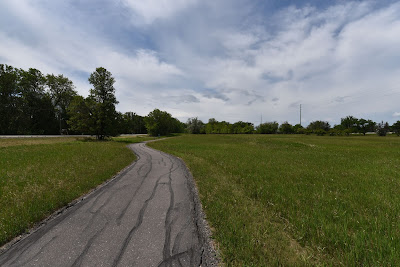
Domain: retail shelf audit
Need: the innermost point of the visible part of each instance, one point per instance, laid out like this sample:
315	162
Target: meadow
297	199
41	175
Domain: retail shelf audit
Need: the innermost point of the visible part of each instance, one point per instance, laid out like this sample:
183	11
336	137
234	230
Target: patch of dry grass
6	142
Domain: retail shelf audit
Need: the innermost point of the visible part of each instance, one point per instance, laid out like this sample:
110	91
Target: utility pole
300	114
59	118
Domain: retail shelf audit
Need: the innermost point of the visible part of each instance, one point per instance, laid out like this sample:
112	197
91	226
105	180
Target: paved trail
145	217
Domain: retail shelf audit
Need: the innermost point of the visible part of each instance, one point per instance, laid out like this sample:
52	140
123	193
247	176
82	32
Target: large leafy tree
298	129
221	127
38	113
160	123
349	123
103	94
195	126
177	126
242	127
82	117
96	114
382	128
319	125
62	92
286	128
31	103
364	126
132	123
396	127
9	99
210	127
268	128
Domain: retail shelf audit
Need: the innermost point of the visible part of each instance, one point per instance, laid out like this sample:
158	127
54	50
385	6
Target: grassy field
40	175
298	200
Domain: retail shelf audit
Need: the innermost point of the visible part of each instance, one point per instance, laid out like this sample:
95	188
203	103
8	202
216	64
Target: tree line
348	125
32	103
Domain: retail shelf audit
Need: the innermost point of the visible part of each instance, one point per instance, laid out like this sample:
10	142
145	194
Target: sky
232	60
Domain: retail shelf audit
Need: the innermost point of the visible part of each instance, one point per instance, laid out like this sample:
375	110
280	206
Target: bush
268	128
286	128
320	132
382	129
300	131
195	126
315	125
396	128
307	131
333	132
162	123
347	132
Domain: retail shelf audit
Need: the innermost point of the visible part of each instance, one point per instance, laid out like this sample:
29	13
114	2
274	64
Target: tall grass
38	176
298	200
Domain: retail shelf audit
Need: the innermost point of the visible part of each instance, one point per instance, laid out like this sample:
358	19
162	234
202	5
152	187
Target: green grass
6	142
298	200
133	139
41	175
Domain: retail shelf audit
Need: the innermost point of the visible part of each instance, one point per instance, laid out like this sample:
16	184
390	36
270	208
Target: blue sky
228	59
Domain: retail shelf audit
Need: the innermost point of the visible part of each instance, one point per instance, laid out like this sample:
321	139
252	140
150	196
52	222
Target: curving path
146	216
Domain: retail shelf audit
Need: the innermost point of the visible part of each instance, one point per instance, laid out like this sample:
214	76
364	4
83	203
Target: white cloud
151	10
349	51
223	59
75	50
144	67
237	41
396	114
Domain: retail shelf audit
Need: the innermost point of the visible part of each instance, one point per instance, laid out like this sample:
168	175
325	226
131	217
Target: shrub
268	128
307	131
320	132
382	129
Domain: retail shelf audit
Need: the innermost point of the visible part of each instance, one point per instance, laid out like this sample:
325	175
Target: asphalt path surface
146	216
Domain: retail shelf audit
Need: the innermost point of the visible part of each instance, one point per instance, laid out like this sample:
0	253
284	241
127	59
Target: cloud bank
229	60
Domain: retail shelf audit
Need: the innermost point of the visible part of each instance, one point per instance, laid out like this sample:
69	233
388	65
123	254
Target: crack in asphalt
168	222
168	261
79	259
138	223
38	253
97	213
149	160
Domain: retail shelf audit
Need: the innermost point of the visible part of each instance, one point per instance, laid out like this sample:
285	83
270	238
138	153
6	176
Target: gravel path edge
210	255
